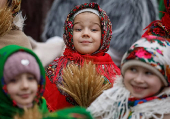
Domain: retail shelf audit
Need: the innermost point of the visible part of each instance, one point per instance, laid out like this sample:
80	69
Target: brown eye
78	30
94	30
133	69
148	73
31	77
13	81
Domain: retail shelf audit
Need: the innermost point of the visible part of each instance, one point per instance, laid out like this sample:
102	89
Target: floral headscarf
151	52
106	27
160	27
98	57
104	64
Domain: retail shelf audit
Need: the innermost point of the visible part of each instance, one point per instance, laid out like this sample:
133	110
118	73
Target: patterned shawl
160	27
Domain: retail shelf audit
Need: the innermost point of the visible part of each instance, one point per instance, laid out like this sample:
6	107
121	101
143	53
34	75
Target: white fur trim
87	10
18	21
115	55
48	51
115	100
107	105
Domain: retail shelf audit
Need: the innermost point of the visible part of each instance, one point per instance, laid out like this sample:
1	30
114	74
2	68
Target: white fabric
18	21
116	56
106	106
48	51
87	10
109	104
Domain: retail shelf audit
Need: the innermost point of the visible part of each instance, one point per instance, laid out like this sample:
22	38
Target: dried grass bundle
84	84
5	20
33	113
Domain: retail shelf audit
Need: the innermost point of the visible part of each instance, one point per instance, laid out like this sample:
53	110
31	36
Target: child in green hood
22	81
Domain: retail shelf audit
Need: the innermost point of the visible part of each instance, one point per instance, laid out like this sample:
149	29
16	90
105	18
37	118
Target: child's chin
25	105
138	96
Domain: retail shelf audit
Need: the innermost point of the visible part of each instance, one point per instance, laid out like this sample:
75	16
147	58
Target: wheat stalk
5	20
32	113
83	83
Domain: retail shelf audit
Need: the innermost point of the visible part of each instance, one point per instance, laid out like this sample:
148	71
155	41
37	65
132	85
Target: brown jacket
15	37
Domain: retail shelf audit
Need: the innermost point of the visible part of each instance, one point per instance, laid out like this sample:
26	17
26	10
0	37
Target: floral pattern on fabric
150	50
157	29
134	102
160	27
104	64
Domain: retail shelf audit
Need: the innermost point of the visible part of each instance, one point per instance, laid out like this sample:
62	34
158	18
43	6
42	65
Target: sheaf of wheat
5	20
32	113
83	84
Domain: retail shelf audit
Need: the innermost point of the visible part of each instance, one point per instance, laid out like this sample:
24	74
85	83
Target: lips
85	42
24	95
138	88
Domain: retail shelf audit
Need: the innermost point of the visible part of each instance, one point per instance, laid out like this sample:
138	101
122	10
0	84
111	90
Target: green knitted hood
7	107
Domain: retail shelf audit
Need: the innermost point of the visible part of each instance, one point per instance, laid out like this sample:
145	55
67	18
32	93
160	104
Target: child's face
87	33
141	82
23	89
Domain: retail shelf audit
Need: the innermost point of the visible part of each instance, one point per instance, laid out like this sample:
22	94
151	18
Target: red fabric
166	21
100	59
105	65
167	5
55	100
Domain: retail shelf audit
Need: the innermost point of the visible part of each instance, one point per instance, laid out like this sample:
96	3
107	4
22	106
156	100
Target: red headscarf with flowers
160	27
103	61
99	57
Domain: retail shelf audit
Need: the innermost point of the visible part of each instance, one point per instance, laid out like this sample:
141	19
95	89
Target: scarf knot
72	55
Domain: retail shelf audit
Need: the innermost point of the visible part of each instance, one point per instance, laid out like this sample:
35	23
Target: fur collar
18	21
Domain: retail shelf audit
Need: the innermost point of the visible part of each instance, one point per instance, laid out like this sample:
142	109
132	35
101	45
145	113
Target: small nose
24	84
85	33
139	78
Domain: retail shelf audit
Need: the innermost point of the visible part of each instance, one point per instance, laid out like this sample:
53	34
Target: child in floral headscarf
143	92
87	35
22	81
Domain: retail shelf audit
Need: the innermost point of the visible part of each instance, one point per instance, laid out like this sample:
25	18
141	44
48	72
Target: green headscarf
70	113
7	108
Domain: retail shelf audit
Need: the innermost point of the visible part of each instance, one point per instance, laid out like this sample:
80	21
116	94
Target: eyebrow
92	22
